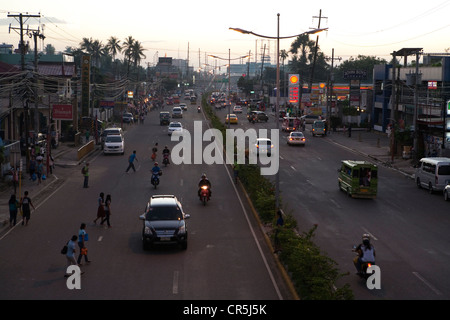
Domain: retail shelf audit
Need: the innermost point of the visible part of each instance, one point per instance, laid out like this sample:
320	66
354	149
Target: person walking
85	172
82	238
70	255
39	171
13	208
131	160
100	208
107	211
26	205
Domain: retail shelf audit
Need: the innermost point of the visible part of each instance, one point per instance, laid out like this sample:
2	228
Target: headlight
148	230
182	229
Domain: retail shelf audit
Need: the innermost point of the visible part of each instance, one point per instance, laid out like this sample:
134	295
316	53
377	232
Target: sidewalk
375	145
65	156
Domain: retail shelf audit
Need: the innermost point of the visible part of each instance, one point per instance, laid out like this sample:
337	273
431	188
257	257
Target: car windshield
296	134
175	125
113	139
264	143
163	213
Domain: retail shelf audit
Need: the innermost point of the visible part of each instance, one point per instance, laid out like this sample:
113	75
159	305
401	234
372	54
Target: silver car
296	138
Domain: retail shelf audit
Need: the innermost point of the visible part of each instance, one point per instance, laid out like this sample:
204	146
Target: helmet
156	163
203	175
366	239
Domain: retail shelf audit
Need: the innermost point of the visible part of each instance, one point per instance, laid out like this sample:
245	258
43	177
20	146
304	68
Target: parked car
296	138
260	116
177	112
109	131
175	126
128	117
231	118
164	222
114	144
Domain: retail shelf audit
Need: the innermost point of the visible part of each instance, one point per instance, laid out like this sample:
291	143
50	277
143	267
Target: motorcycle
204	194
364	265
155	179
198	109
166	159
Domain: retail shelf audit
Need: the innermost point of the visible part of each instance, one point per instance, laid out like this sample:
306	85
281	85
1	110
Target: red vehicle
204	194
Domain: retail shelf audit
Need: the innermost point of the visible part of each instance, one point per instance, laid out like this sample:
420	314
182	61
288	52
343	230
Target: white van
433	173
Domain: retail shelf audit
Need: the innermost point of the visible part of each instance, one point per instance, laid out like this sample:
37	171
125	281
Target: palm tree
128	51
86	45
97	52
138	54
113	47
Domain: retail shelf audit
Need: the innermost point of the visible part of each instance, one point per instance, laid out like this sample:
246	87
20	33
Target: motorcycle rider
366	253
166	153
204	182
156	171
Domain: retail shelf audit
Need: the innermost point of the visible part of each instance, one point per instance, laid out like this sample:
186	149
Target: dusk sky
169	28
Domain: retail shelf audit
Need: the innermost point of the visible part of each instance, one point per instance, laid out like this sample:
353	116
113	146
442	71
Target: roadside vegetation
313	274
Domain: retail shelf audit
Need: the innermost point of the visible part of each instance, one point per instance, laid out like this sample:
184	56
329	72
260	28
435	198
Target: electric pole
315	50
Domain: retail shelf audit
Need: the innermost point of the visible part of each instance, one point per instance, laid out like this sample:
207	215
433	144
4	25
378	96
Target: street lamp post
314	31
229	77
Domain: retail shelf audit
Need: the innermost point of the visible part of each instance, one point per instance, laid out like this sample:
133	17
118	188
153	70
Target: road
227	257
409	226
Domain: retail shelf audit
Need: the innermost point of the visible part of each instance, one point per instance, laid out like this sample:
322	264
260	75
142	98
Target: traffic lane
224	230
379	216
180	182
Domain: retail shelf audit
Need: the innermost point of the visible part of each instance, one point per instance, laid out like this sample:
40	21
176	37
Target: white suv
114	144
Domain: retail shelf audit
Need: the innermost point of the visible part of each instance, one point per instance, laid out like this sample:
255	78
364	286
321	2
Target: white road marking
429	285
175	282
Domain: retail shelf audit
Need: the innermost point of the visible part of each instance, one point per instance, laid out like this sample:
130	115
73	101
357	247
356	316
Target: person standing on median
131	162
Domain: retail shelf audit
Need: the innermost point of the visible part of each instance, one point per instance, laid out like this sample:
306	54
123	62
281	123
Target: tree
362	62
49	49
302	50
113	47
128	51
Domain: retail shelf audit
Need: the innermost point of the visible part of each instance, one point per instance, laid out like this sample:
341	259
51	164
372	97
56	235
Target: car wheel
446	195
418	183
184	245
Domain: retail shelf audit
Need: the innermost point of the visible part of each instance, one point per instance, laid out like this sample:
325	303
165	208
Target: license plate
364	190
164	239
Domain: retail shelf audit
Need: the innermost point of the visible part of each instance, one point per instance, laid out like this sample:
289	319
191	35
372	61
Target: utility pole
20	18
330	88
315	50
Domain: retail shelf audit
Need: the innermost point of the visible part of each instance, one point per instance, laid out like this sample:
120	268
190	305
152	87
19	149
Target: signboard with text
62	112
294	89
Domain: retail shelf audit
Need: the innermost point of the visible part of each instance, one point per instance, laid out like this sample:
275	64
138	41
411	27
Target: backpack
83	170
64	249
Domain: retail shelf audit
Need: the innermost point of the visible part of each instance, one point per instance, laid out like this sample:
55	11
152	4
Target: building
416	100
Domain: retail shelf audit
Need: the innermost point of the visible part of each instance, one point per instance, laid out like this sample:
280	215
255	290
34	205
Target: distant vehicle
231	118
290	124
433	173
177	112
263	146
164	118
296	138
237	109
127	117
164	222
114	144
260	116
359	179
310	118
318	128
183	106
174	126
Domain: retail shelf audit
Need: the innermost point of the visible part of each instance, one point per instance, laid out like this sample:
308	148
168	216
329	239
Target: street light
314	31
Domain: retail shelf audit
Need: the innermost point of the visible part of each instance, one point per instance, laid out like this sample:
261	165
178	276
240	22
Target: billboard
62	112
